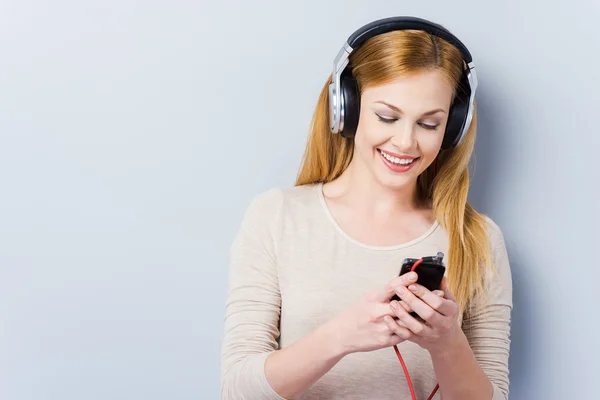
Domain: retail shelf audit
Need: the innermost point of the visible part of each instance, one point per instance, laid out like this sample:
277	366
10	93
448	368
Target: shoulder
276	203
268	200
495	236
501	271
282	199
267	215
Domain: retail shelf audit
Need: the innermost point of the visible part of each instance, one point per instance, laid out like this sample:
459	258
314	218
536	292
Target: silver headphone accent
336	100
473	83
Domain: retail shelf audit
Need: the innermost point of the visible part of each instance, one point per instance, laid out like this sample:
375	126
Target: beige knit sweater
292	268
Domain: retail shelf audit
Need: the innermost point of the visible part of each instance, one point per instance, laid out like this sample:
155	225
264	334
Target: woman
314	268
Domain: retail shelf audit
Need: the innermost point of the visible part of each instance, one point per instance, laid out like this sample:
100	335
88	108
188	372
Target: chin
397	182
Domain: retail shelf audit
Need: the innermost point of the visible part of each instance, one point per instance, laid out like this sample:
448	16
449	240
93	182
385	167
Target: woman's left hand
439	327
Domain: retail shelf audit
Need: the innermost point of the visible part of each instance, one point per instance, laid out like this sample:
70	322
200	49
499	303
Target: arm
482	352
487	327
472	362
252	367
292	370
478	354
361	327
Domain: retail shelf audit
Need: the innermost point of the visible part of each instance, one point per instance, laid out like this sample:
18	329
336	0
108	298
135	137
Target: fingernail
412	276
413	288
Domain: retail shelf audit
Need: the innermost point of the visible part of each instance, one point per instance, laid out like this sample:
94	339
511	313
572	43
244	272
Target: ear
457	115
351	97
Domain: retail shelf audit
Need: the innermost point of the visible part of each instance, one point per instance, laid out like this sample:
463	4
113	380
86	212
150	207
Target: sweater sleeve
487	325
252	310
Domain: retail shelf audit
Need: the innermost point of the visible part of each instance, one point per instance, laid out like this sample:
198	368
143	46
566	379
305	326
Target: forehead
427	89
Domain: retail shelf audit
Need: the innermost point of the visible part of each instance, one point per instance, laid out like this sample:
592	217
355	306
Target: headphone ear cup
457	115
351	105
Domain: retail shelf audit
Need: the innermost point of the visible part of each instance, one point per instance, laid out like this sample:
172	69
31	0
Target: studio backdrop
133	135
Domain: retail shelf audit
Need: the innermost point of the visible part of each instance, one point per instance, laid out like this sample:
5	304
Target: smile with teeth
396	160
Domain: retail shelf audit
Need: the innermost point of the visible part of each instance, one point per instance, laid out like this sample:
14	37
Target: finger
439	293
447	293
406	306
402	303
400	323
389	290
426	312
395	318
439	304
396	329
409	321
383	309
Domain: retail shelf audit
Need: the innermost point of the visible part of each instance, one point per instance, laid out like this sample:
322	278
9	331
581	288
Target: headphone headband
338	108
404	23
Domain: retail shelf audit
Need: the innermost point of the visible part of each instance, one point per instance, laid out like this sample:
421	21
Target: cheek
367	137
430	143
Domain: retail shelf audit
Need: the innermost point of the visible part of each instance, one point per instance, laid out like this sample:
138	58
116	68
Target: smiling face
401	127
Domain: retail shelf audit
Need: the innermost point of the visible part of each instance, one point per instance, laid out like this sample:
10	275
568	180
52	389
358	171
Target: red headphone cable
410	385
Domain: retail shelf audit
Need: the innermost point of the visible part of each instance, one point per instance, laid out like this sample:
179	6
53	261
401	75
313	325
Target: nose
405	139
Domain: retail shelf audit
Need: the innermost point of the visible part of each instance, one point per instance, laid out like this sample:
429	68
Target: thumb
389	289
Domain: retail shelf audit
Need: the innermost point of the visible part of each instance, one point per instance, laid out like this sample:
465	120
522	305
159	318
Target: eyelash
390	121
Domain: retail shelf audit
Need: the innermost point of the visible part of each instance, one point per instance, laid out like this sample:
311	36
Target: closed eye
429	127
392	120
386	120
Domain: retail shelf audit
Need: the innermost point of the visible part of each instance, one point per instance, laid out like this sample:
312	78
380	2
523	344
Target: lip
398	168
400	156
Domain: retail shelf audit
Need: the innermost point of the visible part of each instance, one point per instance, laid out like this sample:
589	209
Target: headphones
344	96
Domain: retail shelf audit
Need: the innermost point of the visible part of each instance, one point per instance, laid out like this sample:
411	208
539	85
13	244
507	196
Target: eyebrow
393	107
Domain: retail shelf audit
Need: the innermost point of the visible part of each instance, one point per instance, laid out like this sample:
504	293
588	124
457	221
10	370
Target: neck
361	191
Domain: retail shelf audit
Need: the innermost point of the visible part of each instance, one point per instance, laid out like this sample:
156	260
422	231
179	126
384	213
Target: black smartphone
430	271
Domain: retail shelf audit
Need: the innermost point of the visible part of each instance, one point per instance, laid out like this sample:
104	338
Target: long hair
381	60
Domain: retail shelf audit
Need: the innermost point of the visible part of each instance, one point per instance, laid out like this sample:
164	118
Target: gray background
125	128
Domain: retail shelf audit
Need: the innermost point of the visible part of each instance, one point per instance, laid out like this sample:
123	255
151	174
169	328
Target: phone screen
430	274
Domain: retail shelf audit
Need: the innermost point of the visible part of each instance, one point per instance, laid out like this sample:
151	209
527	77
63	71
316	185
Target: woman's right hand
361	327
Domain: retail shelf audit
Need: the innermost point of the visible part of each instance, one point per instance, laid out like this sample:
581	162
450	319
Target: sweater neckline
332	220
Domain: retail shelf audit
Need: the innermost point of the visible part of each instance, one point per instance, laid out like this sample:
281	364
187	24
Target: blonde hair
378	61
